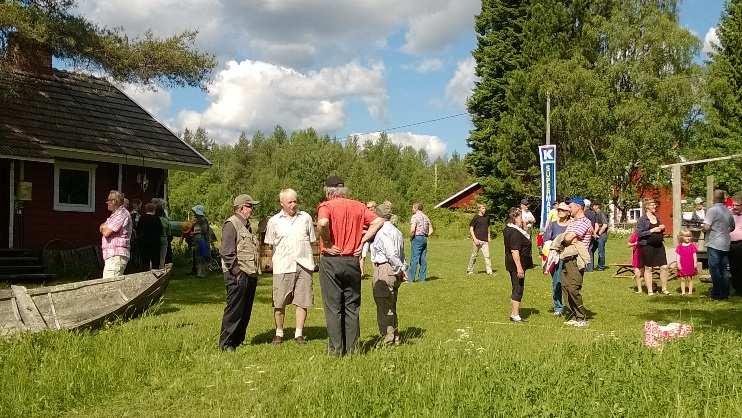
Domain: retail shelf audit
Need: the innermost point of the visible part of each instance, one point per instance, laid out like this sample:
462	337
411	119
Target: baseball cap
698	200
244	199
334	181
384	210
577	200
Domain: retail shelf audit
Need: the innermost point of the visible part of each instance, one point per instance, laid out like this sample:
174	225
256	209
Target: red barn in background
463	198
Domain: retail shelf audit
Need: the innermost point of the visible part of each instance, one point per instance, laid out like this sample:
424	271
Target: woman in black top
651	246
149	230
518	259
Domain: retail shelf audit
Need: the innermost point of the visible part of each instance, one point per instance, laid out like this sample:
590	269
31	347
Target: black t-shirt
481	227
149	230
515	240
601	219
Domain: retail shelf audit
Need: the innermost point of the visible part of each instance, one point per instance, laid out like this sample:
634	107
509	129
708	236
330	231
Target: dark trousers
150	254
718	262
240	297
572	287
340	280
735	265
599	246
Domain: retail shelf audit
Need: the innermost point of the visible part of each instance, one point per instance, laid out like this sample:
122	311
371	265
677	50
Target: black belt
570	258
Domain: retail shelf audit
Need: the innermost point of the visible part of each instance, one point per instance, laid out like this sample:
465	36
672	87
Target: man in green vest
239	254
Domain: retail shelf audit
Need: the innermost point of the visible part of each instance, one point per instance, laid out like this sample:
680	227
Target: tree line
627	95
262	165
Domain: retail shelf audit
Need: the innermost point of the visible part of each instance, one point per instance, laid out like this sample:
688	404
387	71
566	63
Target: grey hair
286	193
117	196
331	192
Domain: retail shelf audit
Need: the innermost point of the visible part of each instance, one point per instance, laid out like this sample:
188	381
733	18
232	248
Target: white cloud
460	86
433	146
710	40
156	101
296	33
425	66
254	95
435	29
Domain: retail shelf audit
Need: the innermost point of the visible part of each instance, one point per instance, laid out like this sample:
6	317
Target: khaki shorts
114	266
385	283
293	288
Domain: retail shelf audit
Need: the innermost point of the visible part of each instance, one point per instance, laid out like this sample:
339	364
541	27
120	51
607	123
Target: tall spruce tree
723	109
621	78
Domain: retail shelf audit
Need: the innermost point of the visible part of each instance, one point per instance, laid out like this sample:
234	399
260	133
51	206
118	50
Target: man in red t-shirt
341	222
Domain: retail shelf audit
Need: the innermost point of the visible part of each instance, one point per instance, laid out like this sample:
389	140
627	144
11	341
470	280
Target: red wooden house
66	140
463	198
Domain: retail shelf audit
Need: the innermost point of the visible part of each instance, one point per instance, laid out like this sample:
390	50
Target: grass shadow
526	312
407	336
310	334
727	317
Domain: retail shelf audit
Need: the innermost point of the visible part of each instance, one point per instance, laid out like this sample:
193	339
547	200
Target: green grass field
460	357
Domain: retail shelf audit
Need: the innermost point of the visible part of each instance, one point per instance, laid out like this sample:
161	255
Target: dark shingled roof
82	112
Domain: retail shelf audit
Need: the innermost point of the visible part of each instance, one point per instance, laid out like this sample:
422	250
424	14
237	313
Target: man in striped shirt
579	232
420	230
116	236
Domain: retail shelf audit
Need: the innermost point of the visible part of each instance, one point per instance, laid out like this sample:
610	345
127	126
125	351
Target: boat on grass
86	304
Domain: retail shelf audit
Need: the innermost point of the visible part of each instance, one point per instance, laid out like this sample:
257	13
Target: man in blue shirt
718	225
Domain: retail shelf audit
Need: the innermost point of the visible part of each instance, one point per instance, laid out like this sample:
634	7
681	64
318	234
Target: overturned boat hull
86	304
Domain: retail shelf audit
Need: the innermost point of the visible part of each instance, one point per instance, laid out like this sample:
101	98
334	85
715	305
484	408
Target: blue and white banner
547	156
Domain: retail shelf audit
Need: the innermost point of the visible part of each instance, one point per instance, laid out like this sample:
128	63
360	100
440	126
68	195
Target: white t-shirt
291	238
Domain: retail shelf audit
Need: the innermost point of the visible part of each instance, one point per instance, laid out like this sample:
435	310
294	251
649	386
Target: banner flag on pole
547	156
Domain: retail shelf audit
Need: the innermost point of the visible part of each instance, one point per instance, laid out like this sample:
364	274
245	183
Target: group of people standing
344	226
723	239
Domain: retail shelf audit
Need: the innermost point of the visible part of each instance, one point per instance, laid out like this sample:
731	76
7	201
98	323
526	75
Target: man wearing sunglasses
239	254
116	236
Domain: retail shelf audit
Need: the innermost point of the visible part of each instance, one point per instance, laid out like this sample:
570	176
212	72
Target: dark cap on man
524	202
577	200
244	199
334	181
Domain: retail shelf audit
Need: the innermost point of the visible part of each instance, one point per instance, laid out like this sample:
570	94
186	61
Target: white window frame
66	207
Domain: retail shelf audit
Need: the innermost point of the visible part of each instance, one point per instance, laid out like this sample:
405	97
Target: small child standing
687	259
636	262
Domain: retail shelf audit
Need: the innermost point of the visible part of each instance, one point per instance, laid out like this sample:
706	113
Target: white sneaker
571	322
581	324
469	272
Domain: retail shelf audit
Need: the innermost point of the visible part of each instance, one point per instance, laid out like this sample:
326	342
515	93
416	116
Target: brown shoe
277	340
300	340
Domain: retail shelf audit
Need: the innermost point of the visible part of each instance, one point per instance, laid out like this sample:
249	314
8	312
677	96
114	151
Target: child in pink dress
687	260
635	261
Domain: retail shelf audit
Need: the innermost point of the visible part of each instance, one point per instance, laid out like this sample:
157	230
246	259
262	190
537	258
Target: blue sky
341	67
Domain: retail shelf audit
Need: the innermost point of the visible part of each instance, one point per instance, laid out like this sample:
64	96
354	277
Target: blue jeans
556	287
599	246
718	264
419	256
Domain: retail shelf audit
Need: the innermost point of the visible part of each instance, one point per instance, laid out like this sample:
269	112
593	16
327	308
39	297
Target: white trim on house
40	160
457	194
108	157
67	207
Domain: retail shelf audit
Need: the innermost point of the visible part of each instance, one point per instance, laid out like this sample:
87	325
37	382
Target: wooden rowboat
86	304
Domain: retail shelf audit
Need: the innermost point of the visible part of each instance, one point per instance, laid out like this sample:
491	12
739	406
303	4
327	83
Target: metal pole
676	209
548	118
11	204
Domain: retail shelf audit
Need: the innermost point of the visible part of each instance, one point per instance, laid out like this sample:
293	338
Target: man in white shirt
387	254
291	233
